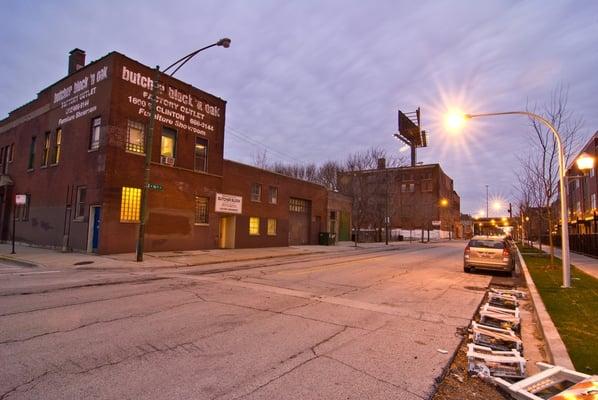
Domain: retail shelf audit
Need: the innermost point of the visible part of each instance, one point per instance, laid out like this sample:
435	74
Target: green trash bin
324	239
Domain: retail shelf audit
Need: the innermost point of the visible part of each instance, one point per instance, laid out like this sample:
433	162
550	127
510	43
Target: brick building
76	154
582	193
414	198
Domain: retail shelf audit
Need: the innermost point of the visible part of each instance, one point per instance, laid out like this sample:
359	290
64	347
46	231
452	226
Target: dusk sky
310	81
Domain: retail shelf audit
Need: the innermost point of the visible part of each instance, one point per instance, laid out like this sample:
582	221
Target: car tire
467	269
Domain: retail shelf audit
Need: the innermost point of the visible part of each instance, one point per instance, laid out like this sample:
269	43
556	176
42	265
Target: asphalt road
365	325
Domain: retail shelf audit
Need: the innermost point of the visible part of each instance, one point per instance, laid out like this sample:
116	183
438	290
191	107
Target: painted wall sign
228	203
77	99
20	199
173	107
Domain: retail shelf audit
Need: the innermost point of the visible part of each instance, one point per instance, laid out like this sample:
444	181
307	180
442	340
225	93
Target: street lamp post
562	190
143	209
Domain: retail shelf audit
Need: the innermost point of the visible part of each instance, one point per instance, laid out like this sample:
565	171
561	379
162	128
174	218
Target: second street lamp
143	209
455	121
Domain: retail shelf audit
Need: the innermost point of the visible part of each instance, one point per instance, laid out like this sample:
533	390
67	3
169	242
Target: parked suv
489	252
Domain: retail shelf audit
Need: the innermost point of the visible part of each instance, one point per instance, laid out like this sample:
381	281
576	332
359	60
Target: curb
555	348
19	261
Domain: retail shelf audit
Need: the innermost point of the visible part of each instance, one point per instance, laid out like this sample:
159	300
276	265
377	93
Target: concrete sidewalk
587	264
48	258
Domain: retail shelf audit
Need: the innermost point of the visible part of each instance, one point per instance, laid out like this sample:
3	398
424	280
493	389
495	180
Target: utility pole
486	201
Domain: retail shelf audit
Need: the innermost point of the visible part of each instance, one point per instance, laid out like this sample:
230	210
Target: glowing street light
454	121
444	202
585	162
496	205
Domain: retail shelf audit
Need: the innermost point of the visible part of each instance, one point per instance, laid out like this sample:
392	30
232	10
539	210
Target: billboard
409	129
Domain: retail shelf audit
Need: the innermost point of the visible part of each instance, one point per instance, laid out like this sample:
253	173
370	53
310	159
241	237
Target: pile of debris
495	353
496	349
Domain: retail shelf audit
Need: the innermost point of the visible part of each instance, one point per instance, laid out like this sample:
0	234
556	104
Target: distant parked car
489	252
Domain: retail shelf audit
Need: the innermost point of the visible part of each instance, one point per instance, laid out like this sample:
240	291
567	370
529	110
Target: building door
299	220
226	238
344	229
93	235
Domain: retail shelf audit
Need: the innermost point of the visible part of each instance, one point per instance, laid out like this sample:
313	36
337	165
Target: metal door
299	221
96	228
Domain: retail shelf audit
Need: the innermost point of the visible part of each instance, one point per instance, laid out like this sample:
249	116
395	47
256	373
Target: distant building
583	192
76	154
420	198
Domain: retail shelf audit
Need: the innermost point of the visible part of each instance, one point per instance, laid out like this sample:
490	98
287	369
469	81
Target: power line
234	132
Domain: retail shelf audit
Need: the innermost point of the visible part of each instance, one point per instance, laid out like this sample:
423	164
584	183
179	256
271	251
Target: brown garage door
299	218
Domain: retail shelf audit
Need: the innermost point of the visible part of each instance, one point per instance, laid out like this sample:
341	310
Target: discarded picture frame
520	294
484	361
495	338
499	317
502	300
552	383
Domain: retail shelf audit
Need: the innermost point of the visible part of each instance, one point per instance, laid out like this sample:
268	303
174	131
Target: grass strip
574	311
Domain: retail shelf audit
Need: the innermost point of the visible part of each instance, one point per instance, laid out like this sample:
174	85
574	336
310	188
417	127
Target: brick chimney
382	163
76	60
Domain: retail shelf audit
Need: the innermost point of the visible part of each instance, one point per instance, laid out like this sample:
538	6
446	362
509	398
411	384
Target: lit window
271	226
129	204
56	149
201	210
31	153
168	143
46	151
80	206
254	226
273	195
94	137
201	154
256	192
135	137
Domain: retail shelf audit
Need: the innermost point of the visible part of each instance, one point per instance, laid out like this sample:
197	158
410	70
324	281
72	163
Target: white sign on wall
436	223
20	199
227	203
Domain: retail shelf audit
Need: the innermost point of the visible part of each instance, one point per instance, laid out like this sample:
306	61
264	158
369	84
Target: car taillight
466	253
505	252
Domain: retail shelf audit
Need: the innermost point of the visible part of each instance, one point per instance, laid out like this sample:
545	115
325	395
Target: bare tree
260	159
542	165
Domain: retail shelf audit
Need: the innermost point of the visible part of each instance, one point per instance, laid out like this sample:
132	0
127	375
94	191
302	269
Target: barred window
254	226
22	211
201	210
271	227
298	205
129	204
135	137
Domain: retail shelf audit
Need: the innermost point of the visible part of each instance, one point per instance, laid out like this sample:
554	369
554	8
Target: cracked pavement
335	326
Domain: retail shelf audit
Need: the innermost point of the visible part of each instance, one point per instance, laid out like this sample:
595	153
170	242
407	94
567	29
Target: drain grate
83	262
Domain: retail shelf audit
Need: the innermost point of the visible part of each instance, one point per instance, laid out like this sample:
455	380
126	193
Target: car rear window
488	244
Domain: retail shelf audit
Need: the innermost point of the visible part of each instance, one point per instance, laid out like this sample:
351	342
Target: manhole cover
475	288
83	262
